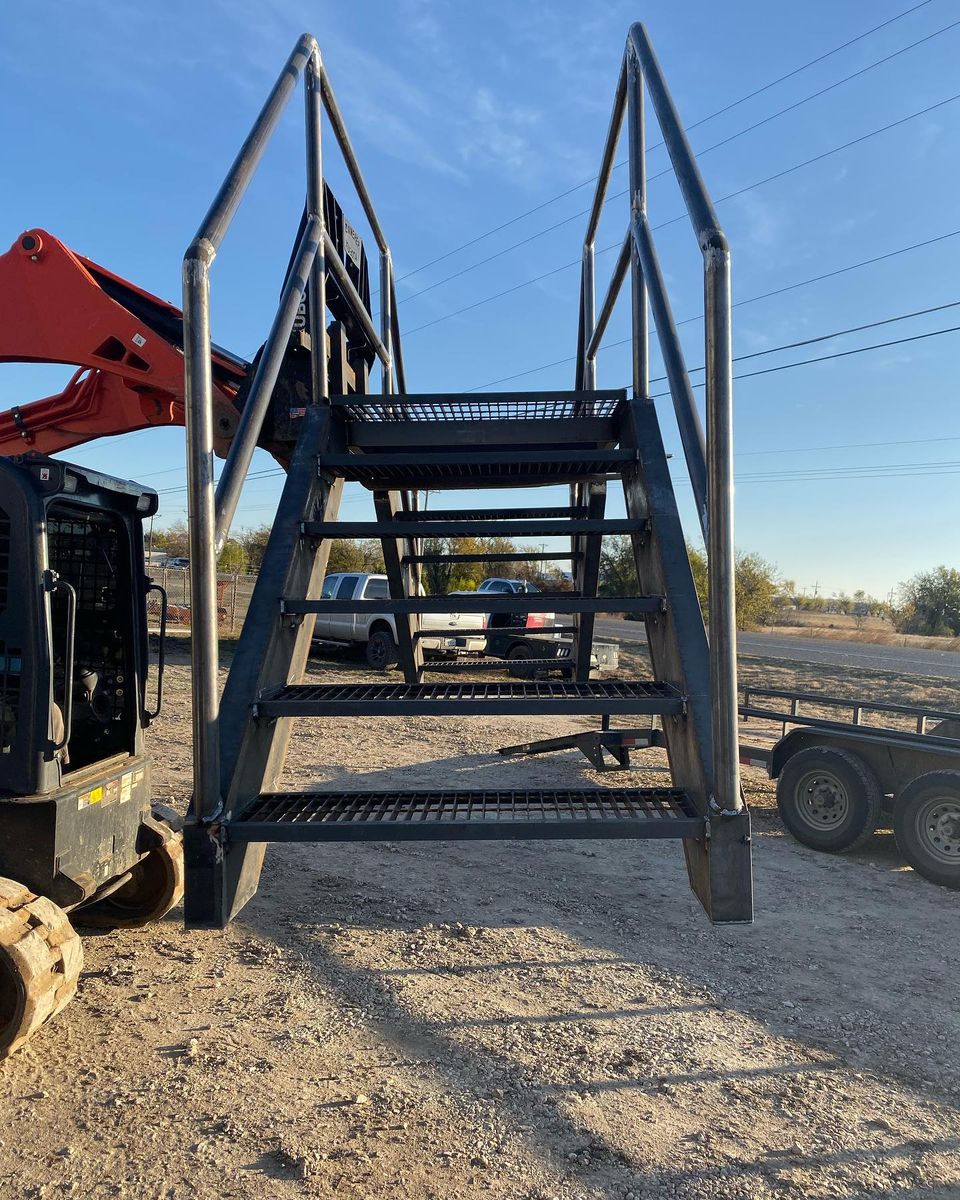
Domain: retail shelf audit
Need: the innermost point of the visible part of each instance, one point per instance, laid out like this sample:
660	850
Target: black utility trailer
839	778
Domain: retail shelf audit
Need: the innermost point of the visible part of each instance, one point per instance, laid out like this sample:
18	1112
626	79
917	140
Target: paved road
905	660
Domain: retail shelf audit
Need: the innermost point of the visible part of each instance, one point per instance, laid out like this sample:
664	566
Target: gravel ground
526	1021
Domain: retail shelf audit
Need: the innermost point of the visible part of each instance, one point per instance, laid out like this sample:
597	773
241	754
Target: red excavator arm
56	306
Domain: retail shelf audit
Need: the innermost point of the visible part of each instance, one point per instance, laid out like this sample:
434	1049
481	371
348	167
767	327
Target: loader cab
73	636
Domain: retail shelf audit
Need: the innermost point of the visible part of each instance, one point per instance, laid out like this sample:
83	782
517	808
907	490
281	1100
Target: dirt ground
526	1021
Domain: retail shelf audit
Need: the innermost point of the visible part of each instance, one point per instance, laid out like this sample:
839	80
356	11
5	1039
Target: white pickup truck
378	631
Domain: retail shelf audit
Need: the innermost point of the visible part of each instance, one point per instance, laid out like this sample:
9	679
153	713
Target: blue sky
121	121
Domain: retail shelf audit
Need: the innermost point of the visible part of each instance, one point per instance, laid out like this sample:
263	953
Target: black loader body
75	812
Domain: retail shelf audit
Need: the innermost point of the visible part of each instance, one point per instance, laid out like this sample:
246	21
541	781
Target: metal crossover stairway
396	445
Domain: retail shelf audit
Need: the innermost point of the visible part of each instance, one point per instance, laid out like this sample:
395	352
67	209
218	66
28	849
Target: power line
828	337
866	262
681	216
847	446
696	124
804	362
274	471
669	170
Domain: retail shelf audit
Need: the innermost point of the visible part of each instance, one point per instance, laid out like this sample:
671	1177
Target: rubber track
40	947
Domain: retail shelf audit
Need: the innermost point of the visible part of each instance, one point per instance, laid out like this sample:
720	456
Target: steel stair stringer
718	864
272	651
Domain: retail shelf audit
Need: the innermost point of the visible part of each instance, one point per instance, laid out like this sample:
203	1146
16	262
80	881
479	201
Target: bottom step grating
430	816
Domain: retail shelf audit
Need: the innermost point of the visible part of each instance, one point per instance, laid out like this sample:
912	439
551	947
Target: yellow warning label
92	797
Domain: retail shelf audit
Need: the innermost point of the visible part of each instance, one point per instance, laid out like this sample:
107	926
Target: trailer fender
894	760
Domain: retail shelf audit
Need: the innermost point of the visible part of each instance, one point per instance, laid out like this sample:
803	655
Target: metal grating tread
471	699
560	662
434	815
456	469
491	406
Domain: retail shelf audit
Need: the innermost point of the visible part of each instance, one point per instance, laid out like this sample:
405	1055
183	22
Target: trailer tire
155	886
829	799
41	957
515	654
382	651
926	824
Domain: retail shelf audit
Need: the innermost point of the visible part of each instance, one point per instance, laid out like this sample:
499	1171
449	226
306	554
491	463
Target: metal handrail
211	510
709	459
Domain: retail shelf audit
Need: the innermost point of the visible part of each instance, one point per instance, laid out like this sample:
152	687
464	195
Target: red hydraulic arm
58	307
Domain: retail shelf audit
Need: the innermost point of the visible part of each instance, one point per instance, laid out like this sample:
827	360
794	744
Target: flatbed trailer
839	778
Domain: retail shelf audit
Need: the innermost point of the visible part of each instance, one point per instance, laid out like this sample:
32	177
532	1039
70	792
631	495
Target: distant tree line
757	582
927	604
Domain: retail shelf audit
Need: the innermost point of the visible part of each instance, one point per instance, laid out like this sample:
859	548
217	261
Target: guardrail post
198	409
637	148
317	288
721	555
588	297
386	319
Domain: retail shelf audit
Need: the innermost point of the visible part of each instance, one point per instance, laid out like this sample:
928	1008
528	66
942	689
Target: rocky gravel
532	1021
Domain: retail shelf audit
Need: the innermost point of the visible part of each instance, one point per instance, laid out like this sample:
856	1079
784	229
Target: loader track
41	957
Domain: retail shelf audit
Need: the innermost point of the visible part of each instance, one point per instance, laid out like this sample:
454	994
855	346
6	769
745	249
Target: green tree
254	542
174	540
930	603
233	558
756	584
618	570
442	577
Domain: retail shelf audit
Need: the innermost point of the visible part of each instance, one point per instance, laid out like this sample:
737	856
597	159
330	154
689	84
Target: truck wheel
926	823
154	887
382	652
520	652
41	957
829	799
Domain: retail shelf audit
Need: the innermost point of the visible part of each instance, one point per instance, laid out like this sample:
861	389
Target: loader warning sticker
94	796
111	793
138	777
126	782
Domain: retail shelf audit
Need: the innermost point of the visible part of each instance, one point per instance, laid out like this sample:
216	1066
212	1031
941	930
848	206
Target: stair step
495	514
336	816
517	556
470	699
405	527
483	602
484	407
475	468
451	666
544	631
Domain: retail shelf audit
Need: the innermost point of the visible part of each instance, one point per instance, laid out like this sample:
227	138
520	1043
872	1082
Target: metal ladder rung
462	528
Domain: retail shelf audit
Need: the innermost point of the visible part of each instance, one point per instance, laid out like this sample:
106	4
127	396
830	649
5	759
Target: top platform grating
490	406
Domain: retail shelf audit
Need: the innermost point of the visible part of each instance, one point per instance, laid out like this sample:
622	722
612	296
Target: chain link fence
233	599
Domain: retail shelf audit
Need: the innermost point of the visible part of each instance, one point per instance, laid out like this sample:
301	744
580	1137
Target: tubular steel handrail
211	509
709	459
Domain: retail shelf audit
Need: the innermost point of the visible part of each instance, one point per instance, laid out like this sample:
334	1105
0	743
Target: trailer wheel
829	799
382	652
154	887
517	653
41	957
926	823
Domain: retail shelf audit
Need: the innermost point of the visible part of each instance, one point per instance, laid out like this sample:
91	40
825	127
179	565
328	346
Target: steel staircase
397	444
